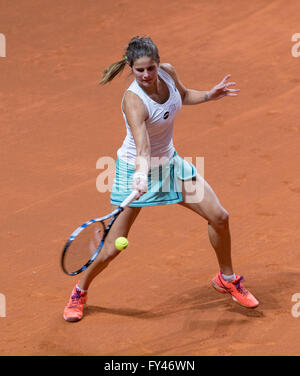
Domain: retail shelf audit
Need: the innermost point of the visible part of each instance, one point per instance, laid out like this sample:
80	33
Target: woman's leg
74	309
121	227
202	200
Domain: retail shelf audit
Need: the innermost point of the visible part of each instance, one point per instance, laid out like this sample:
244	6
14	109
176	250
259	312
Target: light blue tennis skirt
164	185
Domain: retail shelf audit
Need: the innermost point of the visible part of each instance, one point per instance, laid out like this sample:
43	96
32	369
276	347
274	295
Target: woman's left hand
222	89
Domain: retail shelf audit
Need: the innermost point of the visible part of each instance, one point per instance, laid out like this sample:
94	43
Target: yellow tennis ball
121	243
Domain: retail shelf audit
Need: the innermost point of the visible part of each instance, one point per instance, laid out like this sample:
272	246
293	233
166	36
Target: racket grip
129	199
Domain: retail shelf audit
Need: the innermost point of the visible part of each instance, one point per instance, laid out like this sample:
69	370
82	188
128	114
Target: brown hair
136	48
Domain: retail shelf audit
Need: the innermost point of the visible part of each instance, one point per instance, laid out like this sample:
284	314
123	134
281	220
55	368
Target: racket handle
129	199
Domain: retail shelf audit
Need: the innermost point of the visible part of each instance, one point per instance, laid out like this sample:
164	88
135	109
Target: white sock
78	288
229	278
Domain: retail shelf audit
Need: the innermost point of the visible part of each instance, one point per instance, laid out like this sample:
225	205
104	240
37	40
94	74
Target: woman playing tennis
148	162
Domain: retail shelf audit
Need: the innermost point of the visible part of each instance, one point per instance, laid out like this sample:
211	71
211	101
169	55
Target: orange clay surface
155	298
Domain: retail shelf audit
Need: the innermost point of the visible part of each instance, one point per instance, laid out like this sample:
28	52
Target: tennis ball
121	243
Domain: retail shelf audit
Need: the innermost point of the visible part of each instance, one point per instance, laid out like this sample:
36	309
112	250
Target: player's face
145	71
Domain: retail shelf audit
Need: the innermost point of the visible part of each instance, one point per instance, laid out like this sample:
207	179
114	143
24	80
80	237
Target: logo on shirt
172	108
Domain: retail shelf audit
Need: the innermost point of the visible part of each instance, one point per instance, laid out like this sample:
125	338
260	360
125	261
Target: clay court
56	122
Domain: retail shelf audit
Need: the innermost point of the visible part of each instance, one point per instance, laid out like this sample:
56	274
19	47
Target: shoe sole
71	319
219	289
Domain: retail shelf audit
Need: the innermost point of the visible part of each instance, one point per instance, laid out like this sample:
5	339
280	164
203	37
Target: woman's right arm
136	115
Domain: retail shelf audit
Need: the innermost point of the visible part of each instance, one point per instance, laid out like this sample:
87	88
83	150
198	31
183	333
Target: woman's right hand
140	183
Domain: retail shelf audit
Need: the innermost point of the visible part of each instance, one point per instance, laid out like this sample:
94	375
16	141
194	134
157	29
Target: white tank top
159	123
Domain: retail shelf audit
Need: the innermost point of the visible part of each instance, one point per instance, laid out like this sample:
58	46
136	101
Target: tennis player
149	107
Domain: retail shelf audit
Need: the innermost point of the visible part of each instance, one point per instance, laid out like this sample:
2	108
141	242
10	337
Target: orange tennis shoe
74	309
238	293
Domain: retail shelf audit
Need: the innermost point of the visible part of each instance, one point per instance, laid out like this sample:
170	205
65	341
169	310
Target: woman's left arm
190	96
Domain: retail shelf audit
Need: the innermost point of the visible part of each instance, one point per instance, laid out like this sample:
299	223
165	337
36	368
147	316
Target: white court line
51	197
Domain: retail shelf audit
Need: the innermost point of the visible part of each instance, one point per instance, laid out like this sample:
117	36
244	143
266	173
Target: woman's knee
108	255
220	219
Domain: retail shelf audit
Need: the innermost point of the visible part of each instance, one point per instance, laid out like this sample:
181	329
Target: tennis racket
86	242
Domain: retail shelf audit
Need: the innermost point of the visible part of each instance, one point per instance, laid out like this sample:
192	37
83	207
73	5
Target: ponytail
112	71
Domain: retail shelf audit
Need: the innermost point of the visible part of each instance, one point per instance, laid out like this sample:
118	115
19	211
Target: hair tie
125	58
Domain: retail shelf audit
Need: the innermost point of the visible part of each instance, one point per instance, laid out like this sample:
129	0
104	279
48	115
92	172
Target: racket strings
84	246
